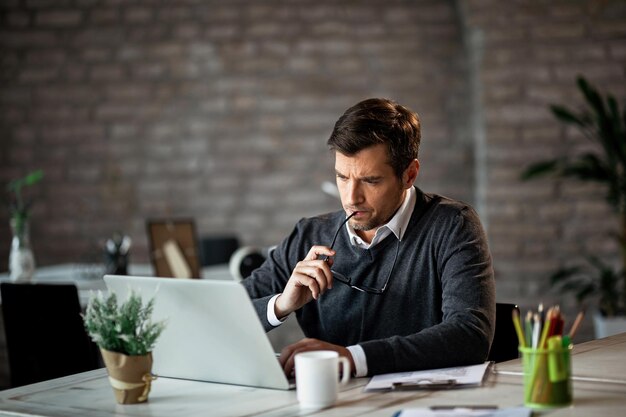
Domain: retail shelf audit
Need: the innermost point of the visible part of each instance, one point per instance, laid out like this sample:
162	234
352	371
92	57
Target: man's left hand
288	353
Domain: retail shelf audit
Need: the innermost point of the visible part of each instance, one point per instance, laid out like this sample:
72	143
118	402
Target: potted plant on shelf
21	259
126	337
603	123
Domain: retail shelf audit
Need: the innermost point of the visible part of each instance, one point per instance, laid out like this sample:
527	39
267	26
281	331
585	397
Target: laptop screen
212	333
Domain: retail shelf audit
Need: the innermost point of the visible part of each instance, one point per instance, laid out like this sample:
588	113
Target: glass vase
21	259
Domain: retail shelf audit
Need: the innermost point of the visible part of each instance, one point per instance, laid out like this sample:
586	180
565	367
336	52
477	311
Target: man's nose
354	193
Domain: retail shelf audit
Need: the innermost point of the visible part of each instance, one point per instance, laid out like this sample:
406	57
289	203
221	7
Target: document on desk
464	412
456	377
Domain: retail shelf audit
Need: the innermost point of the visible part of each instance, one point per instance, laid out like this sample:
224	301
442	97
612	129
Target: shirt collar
396	225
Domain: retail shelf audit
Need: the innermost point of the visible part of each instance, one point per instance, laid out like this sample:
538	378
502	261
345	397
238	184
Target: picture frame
173	248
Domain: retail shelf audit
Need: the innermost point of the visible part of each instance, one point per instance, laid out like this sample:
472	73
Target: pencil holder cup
547	376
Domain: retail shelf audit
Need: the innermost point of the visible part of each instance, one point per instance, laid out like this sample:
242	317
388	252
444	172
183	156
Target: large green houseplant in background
603	123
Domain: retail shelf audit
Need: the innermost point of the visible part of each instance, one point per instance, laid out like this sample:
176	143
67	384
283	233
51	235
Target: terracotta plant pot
130	376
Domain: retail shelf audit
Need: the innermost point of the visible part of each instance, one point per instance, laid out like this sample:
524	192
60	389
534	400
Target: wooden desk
89	393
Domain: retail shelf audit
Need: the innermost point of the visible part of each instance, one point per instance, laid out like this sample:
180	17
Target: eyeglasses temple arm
338	230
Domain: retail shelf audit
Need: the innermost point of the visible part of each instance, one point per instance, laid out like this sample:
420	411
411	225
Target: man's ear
410	174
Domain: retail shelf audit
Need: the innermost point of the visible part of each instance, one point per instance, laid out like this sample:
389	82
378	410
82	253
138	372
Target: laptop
212	334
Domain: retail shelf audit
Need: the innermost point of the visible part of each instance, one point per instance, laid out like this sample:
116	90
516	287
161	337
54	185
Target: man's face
368	186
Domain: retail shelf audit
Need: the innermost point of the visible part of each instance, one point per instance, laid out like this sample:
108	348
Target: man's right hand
310	278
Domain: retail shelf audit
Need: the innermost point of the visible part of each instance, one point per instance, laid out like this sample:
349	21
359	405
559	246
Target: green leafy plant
18	207
603	123
124	328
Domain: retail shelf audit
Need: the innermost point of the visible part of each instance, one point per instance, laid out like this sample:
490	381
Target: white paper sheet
462	375
465	412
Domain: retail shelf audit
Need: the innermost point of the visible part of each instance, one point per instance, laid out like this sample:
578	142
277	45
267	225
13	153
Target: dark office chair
505	343
217	249
44	331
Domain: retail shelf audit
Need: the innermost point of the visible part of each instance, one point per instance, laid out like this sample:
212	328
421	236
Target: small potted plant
604	124
126	336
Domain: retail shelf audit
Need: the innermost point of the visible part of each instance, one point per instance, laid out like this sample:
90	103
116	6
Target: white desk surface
89	394
601	361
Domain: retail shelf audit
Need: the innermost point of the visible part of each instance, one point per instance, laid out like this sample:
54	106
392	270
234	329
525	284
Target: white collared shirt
397	225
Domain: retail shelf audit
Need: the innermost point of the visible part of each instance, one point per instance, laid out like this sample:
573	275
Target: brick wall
213	110
533	52
220	110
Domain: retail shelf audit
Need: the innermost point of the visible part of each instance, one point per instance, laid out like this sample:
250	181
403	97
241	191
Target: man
406	283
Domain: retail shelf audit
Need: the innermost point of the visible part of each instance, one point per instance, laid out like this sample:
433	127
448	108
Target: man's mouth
357	213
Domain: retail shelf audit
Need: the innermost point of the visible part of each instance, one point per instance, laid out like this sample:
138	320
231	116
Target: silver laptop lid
213	332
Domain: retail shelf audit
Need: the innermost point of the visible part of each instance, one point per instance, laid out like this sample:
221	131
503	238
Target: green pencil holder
547	377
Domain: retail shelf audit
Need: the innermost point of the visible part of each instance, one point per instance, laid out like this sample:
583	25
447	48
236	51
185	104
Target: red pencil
558	322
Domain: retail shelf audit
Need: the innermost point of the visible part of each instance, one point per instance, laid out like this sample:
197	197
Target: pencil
518	328
577	321
546	329
557	318
536	330
528	328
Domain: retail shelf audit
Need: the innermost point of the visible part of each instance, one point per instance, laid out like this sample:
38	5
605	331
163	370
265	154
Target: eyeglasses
348	281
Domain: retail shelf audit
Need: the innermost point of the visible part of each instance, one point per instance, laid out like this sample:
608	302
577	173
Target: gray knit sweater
439	306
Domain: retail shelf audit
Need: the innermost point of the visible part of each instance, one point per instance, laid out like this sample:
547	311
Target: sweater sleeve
464	335
271	277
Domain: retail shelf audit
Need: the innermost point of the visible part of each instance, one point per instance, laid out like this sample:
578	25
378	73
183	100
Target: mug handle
345	370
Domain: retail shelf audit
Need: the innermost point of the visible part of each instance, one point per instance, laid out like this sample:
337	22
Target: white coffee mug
317	377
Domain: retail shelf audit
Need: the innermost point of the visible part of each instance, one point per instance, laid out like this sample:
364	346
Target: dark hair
375	121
